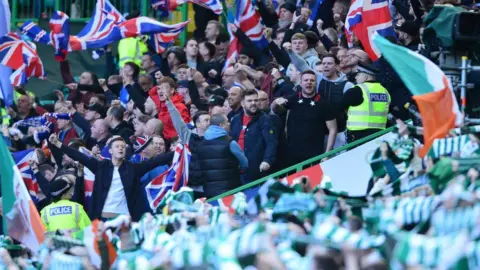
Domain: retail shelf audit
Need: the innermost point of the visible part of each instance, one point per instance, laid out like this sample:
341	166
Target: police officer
367	104
131	49
63	214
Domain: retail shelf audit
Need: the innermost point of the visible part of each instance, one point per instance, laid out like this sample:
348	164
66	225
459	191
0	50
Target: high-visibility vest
5	117
131	50
17	95
373	112
64	215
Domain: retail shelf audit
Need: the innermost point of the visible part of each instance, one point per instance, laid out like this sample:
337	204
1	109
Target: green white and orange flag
90	239
430	88
21	220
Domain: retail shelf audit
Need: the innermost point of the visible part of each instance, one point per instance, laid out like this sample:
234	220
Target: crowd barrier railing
302	166
33	10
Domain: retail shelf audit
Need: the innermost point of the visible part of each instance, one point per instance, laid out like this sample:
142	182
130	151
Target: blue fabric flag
6	92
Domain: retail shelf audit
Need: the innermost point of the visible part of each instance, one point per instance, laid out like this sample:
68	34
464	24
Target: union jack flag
244	15
106	26
161	41
60	34
21	159
21	56
173	179
364	18
166	6
88	178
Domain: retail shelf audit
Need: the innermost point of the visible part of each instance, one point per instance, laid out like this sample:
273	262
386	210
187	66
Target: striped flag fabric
60	34
90	239
106	26
430	87
21	56
161	41
88	179
21	220
35	33
367	17
243	14
21	160
167	6
173	179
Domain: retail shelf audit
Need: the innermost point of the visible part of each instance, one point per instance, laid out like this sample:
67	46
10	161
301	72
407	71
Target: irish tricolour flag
21	220
430	88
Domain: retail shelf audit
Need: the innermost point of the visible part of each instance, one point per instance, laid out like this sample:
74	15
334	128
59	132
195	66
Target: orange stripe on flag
437	115
112	254
36	222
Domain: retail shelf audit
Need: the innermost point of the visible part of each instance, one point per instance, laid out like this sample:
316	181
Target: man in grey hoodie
299	45
331	84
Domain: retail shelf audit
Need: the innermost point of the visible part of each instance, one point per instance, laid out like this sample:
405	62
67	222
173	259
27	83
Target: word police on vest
64	210
378	97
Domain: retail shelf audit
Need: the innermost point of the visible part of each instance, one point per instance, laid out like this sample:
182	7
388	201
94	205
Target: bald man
154	127
99	134
228	77
263	101
235	97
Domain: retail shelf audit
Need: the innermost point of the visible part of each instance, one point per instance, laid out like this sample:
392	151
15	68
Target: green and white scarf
338	236
415	210
448	146
448	221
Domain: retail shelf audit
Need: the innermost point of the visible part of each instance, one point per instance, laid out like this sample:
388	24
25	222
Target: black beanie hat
289	6
58	187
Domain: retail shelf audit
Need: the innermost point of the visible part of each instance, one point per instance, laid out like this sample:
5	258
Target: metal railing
81	11
302	166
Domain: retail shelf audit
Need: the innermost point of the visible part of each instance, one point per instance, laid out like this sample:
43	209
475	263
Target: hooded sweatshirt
169	131
310	56
214	132
302	65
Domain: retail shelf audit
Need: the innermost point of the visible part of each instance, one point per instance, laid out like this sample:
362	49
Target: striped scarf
415	210
448	221
239	203
249	240
432	252
337	237
290	258
448	146
60	261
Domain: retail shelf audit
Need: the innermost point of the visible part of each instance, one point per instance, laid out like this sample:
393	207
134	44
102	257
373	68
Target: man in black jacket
257	137
117	124
118	189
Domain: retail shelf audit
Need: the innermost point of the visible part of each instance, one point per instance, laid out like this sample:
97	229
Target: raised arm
183	131
90	163
162	159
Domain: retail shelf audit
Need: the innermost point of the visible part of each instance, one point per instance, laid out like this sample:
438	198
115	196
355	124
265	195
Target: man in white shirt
117	189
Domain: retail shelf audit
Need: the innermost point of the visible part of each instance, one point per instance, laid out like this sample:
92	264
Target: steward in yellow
367	104
131	50
63	214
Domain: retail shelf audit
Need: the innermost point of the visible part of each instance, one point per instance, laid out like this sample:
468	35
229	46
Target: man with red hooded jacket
166	88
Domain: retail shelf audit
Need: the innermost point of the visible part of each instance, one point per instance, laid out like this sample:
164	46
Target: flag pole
463	86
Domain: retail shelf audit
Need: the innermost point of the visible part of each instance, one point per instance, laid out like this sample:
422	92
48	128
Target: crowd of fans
242	121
